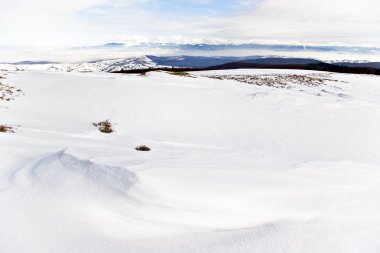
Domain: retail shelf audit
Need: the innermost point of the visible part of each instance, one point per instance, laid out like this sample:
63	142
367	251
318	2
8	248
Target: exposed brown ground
279	80
8	93
6	129
183	74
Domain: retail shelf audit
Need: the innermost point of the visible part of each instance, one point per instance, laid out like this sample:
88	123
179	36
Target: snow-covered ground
234	167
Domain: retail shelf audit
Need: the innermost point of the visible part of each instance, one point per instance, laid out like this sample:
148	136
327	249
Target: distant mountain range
304	64
195	61
218	46
219	63
256	46
375	65
34	62
150	62
207	62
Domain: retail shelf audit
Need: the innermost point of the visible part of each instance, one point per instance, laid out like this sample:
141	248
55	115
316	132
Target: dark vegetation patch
182	74
6	129
143	148
144	71
316	66
104	126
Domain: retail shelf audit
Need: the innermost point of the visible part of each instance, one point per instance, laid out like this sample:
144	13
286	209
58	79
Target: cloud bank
67	23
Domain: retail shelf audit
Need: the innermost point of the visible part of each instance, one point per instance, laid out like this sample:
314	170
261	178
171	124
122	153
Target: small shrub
179	73
6	129
143	148
104	126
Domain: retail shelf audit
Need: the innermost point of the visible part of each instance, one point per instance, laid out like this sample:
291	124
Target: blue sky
168	9
196	8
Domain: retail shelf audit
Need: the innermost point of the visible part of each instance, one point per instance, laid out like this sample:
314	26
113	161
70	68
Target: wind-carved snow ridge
56	170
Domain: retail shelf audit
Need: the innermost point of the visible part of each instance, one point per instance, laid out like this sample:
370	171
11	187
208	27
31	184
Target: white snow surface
233	167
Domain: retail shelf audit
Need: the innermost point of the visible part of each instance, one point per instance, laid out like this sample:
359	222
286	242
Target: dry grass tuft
6	129
104	126
143	148
182	74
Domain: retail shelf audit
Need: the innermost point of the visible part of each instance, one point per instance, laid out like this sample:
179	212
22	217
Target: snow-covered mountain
142	62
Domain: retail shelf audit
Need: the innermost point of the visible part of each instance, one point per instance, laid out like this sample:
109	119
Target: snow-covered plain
234	167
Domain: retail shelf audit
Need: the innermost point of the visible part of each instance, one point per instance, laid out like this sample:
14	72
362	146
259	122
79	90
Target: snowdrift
55	171
234	167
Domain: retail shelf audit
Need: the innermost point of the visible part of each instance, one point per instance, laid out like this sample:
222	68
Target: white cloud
48	22
355	22
91	22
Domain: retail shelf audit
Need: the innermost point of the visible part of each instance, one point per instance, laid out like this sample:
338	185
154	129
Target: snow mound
60	169
10	67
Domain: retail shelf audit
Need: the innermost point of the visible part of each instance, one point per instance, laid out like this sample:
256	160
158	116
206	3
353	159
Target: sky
80	23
